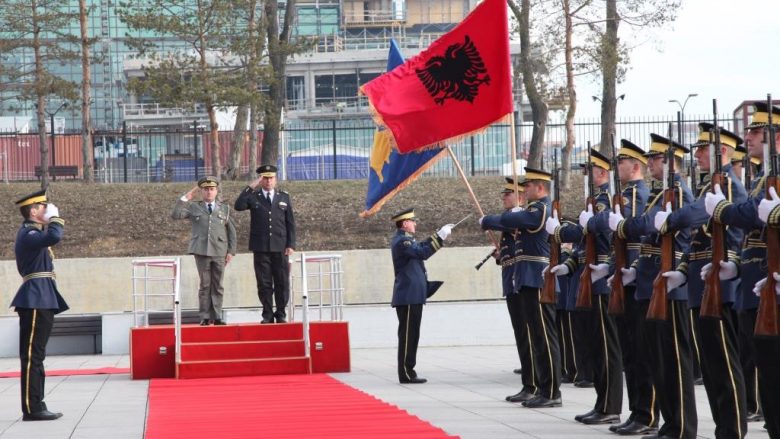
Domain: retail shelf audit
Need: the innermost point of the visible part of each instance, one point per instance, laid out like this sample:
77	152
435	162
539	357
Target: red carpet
69	372
282	406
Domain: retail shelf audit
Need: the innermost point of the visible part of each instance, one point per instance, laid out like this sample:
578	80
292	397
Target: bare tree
86	122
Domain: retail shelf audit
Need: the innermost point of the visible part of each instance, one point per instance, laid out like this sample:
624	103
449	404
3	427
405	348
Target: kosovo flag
391	171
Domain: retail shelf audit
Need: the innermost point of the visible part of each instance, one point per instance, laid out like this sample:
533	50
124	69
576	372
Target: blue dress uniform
565	330
670	350
716	337
506	259
760	355
36	302
532	252
601	338
272	230
411	290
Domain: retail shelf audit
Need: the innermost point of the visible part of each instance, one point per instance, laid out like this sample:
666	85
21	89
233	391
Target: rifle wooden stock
657	309
548	289
585	292
617	297
767	317
711	302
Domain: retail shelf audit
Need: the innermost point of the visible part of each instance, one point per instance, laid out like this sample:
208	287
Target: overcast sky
724	49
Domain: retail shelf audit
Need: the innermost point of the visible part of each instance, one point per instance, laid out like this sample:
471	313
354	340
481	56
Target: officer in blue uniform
506	258
631	170
271	239
565	330
666	344
753	267
716	336
601	335
532	253
37	300
411	288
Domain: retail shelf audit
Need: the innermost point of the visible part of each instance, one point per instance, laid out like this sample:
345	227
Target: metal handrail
175	280
334	290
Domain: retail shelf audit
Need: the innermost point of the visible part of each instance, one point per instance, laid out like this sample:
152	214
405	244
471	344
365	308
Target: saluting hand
188	196
255	183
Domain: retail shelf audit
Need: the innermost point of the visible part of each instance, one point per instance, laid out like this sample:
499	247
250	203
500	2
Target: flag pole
471	191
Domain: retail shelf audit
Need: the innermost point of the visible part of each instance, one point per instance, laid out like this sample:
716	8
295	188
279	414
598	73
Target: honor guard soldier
37	300
753	268
563	310
600	331
532	253
411	287
668	342
506	258
213	243
271	239
716	335
631	166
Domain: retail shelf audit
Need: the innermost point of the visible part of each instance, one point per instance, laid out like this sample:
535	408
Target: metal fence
308	150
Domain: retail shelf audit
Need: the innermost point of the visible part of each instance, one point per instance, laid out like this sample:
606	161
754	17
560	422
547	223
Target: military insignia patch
532	209
407	243
625	201
600	207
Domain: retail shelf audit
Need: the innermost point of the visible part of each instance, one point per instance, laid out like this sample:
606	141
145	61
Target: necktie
268	197
209	204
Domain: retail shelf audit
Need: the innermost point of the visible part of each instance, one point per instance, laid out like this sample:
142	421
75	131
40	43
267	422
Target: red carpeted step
243	367
242	332
241	350
280	407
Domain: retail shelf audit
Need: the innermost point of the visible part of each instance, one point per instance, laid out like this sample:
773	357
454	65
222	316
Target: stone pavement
464	396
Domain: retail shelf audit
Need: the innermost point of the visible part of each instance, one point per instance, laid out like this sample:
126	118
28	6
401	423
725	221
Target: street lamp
53	149
596	98
682	112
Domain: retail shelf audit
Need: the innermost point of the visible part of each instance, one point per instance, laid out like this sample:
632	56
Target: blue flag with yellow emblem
391	171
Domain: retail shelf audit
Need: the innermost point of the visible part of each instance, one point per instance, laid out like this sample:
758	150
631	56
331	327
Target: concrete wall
105	285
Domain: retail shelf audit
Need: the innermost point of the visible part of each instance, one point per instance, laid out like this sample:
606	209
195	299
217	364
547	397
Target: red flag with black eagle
458	86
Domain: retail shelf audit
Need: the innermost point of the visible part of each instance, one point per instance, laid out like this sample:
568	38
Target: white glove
760	285
598	272
560	270
552	223
712	199
585	216
517	209
661	216
51	212
445	231
480	220
615	217
629	275
674	279
728	270
766	205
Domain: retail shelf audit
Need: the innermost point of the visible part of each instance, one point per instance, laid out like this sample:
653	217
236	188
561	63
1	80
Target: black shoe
281	320
204	322
518	371
566	379
614	427
540	402
521	396
43	415
635	428
271	320
219	322
755	417
601	418
579	418
583	383
698	381
414	380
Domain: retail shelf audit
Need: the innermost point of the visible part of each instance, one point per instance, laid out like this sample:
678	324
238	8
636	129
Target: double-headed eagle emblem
456	75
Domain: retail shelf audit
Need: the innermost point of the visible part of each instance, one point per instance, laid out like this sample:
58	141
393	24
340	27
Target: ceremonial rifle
747	170
694	180
585	296
766	318
657	309
548	289
617	297
711	303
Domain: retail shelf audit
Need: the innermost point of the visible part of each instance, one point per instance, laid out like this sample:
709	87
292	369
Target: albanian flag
459	85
